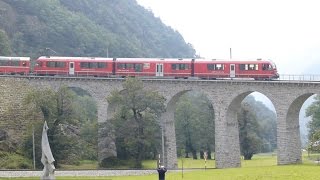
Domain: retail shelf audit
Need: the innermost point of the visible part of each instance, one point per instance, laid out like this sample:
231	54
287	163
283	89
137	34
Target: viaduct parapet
225	95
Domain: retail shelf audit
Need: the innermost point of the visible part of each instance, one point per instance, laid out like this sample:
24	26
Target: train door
159	69
71	68
232	70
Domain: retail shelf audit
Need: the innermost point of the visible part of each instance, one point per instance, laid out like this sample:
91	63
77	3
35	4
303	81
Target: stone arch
229	156
167	120
292	151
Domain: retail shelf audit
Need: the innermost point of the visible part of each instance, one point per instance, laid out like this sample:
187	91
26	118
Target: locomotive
140	67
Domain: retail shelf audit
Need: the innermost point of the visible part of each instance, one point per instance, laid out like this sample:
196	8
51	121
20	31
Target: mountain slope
111	28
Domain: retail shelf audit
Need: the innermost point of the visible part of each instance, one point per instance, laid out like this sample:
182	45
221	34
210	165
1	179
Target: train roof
154	59
190	59
177	60
234	60
6	58
73	58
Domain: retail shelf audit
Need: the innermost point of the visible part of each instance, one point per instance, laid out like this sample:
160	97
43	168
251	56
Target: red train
143	67
14	65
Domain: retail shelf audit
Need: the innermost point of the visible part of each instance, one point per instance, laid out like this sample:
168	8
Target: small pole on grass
159	161
205	155
182	167
33	149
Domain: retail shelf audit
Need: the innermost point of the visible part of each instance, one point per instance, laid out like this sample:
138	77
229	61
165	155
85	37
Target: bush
14	161
109	162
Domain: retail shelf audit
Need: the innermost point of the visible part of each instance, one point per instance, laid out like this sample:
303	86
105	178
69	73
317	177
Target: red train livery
153	67
14	65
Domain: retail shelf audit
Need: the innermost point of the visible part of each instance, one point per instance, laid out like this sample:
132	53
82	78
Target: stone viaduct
225	96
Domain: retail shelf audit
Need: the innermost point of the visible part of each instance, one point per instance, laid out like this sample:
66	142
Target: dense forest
102	28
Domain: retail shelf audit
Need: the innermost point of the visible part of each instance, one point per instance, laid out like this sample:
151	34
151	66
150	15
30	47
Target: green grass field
260	167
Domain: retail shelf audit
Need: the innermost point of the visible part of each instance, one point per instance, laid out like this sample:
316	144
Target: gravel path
4	173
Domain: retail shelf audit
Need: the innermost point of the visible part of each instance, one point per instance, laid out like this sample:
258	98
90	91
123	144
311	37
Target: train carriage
214	69
14	65
149	67
73	66
178	68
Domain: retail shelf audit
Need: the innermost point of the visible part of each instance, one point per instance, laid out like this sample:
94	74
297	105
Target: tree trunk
194	154
201	154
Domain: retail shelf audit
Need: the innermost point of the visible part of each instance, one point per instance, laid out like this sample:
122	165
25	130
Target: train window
242	67
9	63
138	67
180	66
24	64
15	63
129	66
215	67
61	64
102	65
210	66
51	64
39	64
121	66
266	67
56	64
146	65
249	67
3	63
93	65
219	66
84	65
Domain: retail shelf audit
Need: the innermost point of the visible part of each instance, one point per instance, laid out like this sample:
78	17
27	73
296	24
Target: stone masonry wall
225	97
13	117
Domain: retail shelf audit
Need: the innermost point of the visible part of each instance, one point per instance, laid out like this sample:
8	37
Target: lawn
262	167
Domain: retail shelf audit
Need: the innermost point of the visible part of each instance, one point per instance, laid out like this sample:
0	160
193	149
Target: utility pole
162	142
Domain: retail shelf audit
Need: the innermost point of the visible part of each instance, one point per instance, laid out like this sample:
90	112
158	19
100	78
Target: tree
186	127
5	48
136	120
207	126
314	125
58	110
194	122
250	142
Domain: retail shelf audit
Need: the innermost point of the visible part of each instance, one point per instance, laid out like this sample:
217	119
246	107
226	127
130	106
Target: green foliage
5	48
248	132
72	126
187	127
314	125
136	120
14	161
194	122
89	28
264	123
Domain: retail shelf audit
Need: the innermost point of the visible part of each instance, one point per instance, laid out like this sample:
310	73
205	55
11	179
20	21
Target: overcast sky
287	32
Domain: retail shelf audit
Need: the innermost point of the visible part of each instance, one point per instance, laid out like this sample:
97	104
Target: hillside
111	28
